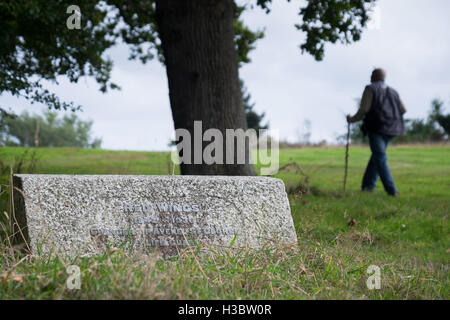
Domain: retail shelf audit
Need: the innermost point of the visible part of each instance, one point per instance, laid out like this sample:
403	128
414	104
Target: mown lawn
340	235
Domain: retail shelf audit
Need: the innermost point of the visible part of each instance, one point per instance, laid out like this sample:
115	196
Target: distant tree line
435	128
254	119
48	130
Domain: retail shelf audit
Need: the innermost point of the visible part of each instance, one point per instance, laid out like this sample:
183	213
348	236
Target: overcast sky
409	38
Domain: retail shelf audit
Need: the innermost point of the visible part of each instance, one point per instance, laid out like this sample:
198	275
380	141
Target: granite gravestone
84	214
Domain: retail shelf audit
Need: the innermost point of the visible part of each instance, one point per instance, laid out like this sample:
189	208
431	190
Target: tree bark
202	69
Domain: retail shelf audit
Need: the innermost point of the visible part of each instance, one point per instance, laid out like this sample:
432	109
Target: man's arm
364	107
402	106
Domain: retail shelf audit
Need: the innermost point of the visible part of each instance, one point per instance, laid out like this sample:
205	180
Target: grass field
340	235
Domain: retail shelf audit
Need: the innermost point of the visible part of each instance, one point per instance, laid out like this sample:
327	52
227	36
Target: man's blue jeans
377	165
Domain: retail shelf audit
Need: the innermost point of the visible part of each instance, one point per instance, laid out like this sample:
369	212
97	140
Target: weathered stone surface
82	214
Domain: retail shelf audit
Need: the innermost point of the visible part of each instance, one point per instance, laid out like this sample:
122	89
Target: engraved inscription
179	228
164	231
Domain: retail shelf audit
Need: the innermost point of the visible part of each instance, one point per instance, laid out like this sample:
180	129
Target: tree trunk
36	134
202	69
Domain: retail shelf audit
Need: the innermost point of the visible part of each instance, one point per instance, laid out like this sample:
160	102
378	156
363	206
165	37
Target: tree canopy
254	119
36	45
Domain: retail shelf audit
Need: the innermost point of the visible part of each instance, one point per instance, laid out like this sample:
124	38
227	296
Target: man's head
378	75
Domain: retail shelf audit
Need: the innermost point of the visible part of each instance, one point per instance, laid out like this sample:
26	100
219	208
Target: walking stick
346	155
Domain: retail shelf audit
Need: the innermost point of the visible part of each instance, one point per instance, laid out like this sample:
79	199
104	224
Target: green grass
407	237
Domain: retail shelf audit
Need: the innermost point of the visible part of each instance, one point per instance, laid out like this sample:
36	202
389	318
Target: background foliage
36	46
49	130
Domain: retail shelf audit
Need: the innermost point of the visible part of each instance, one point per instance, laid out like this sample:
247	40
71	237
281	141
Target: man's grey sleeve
402	106
364	107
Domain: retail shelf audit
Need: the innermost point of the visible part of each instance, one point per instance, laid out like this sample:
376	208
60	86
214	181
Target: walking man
382	113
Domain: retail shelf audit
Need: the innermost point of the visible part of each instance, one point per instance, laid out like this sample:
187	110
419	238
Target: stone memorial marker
83	214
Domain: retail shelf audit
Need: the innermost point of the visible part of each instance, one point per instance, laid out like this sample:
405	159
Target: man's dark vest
385	115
